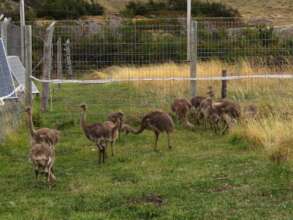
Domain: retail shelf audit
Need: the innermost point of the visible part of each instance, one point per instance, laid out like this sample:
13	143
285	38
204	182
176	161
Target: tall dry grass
181	88
273	134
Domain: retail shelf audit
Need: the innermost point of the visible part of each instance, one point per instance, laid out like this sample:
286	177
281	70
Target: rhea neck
82	119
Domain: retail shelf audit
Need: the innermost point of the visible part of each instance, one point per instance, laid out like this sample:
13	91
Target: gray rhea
158	122
97	133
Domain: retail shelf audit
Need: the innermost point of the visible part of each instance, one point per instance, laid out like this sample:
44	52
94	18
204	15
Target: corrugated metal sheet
18	72
6	80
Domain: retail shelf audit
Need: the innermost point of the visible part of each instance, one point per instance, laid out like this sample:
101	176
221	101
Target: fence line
214	78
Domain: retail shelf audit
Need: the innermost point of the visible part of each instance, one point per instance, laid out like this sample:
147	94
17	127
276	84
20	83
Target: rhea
42	156
47	135
181	108
158	122
98	133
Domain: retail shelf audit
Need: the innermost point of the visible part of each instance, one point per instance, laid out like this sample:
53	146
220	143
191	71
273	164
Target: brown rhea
195	102
117	117
158	122
232	109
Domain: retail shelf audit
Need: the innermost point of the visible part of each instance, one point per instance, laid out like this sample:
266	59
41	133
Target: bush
206	9
67	9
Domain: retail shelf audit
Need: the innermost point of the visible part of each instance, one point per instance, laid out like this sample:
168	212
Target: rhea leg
37	174
99	151
168	137
156	140
112	148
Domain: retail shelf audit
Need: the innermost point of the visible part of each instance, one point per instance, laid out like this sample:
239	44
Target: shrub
199	8
67	9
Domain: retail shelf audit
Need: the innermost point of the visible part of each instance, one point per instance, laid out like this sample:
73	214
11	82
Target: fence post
47	65
4	27
224	85
68	58
22	31
193	54
28	65
189	23
59	60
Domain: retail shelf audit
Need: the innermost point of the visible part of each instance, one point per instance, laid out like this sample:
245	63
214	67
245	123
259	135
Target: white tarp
18	71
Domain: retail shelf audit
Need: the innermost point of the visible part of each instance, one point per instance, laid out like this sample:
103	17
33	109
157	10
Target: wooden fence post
68	58
193	56
47	65
59	60
224	85
28	65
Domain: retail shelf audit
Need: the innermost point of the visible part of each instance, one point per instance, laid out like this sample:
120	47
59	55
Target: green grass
204	176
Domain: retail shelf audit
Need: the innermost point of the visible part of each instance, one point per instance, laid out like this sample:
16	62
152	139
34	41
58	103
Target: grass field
205	176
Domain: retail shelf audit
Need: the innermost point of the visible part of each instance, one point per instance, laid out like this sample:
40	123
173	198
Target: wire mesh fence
142	64
149	50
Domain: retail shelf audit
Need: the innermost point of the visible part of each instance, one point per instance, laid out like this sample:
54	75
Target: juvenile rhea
47	135
114	130
97	133
42	156
158	122
181	108
117	118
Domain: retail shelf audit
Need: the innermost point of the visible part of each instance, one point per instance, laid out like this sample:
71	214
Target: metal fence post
22	31
189	34
47	65
193	54
28	65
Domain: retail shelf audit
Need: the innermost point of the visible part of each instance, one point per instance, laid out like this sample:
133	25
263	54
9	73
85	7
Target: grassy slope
203	177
